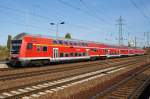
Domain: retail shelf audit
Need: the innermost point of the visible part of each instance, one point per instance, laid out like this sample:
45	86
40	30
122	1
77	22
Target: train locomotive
28	48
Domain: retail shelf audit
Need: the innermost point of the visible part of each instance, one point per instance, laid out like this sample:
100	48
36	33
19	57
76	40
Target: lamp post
57	24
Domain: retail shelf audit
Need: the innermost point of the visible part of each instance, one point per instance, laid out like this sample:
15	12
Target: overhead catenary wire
41	16
90	10
140	10
83	11
146	8
22	11
37	15
83	27
21	24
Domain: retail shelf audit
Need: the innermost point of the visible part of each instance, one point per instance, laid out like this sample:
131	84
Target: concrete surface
3	65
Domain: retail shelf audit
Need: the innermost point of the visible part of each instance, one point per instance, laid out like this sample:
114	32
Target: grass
4	53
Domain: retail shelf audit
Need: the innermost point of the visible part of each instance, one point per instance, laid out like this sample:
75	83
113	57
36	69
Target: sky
93	20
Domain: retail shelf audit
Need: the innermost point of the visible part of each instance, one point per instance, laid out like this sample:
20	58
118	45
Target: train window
82	44
65	42
86	44
70	43
76	54
94	49
80	54
105	50
60	42
71	54
75	43
66	55
44	48
84	54
110	53
38	48
29	46
79	44
61	54
54	42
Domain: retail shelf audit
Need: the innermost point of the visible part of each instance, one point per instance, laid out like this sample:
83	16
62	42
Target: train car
124	51
36	48
27	48
113	51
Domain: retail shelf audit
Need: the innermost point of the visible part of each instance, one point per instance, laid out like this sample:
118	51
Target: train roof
22	35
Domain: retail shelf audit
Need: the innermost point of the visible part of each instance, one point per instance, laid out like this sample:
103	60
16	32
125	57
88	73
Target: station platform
3	65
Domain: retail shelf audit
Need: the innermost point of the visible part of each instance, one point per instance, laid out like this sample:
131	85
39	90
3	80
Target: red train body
28	48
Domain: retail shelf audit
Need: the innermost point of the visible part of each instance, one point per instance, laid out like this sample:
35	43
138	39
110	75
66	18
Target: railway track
129	88
62	74
18	92
106	72
17	75
32	68
29	74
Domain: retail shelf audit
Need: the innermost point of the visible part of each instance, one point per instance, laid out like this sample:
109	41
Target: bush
4	53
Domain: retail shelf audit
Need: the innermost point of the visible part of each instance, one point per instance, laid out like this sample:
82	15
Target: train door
87	52
108	53
55	52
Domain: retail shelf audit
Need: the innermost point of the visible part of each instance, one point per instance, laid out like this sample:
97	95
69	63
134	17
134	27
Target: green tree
68	36
9	42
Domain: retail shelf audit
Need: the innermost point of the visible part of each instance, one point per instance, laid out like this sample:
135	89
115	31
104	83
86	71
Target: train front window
15	48
16	44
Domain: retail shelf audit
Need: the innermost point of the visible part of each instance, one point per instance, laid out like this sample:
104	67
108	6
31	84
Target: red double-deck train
27	48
